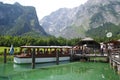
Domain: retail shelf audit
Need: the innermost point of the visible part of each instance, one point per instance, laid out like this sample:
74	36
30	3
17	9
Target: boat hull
24	60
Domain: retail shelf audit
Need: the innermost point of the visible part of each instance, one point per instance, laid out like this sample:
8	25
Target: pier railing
89	54
114	59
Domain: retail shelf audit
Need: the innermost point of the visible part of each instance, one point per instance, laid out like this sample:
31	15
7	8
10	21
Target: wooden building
90	43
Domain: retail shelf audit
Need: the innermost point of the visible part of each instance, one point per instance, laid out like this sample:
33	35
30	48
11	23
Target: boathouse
89	42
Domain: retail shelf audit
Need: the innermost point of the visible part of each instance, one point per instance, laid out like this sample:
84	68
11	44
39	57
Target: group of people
106	48
81	49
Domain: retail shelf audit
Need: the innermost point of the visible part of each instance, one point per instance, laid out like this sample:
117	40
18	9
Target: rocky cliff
16	19
84	19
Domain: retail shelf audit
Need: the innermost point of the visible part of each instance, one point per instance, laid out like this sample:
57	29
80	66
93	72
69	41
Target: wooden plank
115	60
91	55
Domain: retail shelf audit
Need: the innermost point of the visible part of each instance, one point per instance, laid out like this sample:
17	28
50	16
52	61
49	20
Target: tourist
102	48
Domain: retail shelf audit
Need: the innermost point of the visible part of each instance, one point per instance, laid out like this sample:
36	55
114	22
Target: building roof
89	42
115	42
118	40
87	39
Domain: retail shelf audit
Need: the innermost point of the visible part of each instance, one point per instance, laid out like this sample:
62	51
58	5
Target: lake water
50	71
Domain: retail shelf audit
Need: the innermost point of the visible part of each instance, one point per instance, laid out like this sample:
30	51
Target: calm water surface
50	71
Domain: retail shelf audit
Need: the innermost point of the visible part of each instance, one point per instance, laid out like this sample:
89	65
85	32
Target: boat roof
46	47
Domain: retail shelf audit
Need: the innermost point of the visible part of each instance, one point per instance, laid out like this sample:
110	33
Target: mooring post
5	55
118	69
115	66
119	56
108	55
57	57
110	62
118	66
33	58
71	55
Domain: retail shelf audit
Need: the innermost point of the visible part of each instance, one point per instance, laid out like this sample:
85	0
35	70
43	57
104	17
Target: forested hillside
18	20
101	31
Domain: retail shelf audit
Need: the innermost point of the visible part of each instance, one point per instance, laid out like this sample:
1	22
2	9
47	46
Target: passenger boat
43	54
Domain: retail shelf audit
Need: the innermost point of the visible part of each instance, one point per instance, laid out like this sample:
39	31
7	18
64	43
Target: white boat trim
19	60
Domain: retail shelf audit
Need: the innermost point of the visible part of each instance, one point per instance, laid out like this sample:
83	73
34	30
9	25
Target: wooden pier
113	57
86	57
114	60
91	55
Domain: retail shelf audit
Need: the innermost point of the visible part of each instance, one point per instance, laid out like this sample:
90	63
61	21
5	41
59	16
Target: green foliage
16	50
100	32
36	41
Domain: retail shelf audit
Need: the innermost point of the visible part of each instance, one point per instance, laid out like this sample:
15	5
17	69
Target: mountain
85	19
16	19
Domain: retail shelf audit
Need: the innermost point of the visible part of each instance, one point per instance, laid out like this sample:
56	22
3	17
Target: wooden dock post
118	66
119	56
118	69
71	55
115	66
33	58
57	57
111	62
5	55
108	55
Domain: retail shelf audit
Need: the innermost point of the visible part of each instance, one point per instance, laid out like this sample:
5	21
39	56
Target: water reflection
69	71
23	67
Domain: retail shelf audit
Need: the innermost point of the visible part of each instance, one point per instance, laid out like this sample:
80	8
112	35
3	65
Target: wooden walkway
114	60
91	55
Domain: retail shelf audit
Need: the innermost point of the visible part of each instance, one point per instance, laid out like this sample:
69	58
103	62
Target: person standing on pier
109	48
102	48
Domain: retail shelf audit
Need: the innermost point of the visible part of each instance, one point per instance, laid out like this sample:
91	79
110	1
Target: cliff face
82	20
19	20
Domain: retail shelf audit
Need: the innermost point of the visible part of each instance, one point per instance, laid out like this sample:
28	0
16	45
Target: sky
45	7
